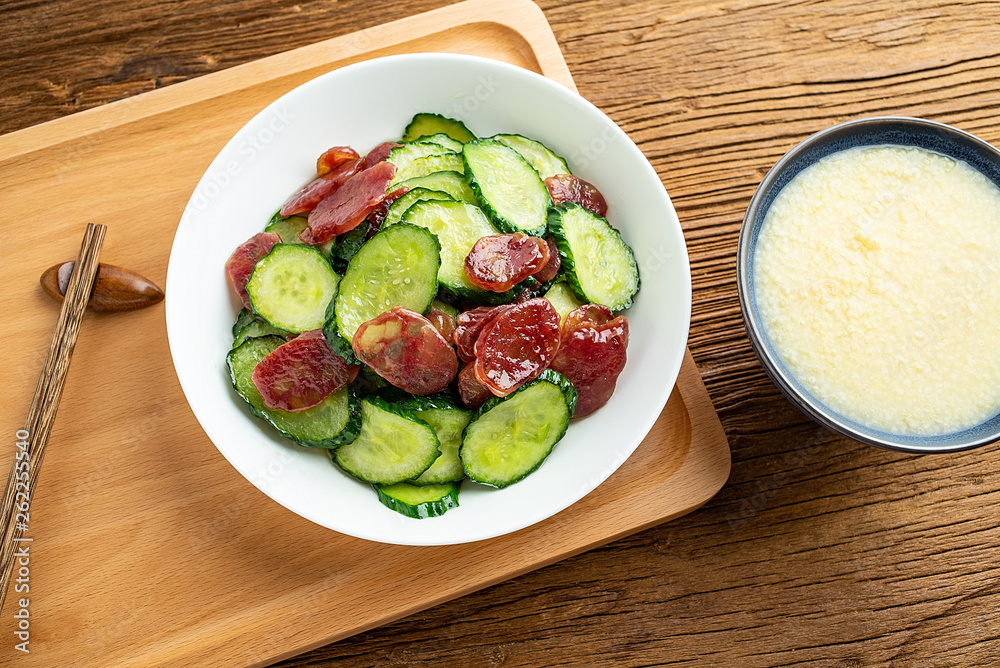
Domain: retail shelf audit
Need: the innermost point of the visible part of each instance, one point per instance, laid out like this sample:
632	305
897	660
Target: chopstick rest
115	288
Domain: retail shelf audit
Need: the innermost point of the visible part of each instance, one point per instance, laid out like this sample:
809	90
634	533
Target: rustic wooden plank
819	551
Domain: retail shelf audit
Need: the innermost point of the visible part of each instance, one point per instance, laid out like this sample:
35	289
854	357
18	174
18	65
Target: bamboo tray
149	548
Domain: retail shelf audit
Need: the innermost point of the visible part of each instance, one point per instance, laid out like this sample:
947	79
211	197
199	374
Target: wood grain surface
819	551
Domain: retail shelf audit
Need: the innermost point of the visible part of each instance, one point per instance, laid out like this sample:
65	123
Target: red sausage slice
501	261
551	268
442	322
240	264
379	153
517	345
403	347
592	355
569	188
335	157
348	205
473	393
313	192
469	325
588	314
377	216
301	373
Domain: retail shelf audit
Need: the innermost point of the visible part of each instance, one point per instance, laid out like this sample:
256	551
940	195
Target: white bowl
362	105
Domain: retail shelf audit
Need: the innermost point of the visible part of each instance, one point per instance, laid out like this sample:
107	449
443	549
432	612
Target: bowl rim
750	227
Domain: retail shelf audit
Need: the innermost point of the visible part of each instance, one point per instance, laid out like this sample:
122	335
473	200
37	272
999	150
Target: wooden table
819	551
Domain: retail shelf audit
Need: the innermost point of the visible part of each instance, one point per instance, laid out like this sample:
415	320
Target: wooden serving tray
149	548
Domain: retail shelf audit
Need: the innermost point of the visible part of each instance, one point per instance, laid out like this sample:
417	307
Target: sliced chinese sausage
592	355
442	322
240	264
405	349
379	153
500	261
551	268
301	373
347	206
377	216
517	345
315	191
588	314
469	325
473	393
569	188
335	157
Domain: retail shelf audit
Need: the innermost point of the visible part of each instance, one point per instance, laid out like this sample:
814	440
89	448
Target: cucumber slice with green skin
509	437
457	226
243	318
407	199
561	296
426	123
451	182
333	423
419	502
255	329
290	228
348	245
291	286
447	308
448	424
396	267
368	382
403	156
538	155
599	266
507	187
338	343
444	140
428	165
394	445
449	421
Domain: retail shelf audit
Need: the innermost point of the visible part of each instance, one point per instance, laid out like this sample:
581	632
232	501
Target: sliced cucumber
448	421
290	228
404	201
368	382
333	423
403	156
419	502
507	188
538	155
394	445
255	329
396	267
457	226
509	437
444	140
291	286
349	244
425	124
243	318
599	266
447	181
447	308
428	165
561	296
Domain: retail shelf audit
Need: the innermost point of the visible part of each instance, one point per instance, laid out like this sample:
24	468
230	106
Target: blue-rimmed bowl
891	130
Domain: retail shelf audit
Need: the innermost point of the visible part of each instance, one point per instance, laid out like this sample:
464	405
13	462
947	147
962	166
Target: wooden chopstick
16	502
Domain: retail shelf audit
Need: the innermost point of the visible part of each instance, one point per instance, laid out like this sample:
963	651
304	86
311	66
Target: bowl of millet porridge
869	278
